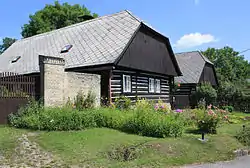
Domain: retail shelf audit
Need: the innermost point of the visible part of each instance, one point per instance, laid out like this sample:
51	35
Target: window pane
158	86
151	85
126	83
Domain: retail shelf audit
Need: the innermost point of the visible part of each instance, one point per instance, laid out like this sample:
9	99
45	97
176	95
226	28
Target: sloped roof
95	42
191	65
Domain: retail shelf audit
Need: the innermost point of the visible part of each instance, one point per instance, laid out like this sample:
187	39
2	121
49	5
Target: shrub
228	108
149	123
143	121
244	136
52	119
110	118
162	107
208	120
82	101
122	103
205	91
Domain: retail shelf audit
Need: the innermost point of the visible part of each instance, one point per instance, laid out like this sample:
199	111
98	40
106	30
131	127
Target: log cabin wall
139	86
182	98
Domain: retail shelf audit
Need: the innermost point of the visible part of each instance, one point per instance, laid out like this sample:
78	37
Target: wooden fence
15	91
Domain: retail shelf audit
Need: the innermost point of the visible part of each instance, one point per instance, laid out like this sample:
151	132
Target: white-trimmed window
151	85
157	86
126	83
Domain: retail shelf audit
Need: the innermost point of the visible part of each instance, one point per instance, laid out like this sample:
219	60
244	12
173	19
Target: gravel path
28	155
242	162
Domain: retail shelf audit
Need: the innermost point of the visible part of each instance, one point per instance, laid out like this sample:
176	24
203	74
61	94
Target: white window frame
151	85
127	84
157	86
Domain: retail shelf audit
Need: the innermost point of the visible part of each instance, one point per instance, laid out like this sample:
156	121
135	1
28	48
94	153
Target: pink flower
226	117
211	112
178	110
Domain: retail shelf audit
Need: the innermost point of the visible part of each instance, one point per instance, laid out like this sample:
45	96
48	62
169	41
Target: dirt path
28	154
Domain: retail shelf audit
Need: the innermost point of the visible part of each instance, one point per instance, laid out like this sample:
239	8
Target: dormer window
66	48
15	59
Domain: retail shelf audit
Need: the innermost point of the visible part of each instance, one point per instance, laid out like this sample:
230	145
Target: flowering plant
208	120
162	107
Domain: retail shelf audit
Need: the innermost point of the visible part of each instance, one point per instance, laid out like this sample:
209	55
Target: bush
122	103
205	92
149	123
208	120
228	108
244	136
142	121
34	116
110	118
83	102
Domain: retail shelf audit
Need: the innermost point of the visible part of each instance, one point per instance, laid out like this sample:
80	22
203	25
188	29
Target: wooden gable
209	75
148	51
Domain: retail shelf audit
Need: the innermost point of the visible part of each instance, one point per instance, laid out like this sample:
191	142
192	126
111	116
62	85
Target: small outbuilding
196	69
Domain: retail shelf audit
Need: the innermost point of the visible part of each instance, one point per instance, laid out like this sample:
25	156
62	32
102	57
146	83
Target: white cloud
193	40
196	2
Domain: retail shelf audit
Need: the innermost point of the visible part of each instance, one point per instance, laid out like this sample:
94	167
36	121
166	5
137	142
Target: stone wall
81	82
57	86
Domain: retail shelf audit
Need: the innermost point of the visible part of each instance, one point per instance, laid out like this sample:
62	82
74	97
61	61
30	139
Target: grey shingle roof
95	42
191	65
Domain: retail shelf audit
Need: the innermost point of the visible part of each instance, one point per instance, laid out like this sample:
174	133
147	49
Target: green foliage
6	43
53	17
142	121
229	65
122	103
232	71
82	101
149	123
34	116
205	92
208	120
244	136
110	118
228	108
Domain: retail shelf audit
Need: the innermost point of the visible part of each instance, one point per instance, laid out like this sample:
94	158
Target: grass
102	147
91	147
8	137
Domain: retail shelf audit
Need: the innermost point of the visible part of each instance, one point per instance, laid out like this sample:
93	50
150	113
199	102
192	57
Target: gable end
149	51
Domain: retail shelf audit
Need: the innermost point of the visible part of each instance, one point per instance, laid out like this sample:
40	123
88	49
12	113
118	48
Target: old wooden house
131	58
196	69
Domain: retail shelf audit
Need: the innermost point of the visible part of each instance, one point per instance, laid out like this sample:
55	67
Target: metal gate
15	91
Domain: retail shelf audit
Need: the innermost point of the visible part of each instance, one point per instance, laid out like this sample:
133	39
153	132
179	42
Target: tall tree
6	43
229	65
55	16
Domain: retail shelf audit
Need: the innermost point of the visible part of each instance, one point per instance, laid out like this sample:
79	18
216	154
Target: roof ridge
74	25
205	58
135	17
187	52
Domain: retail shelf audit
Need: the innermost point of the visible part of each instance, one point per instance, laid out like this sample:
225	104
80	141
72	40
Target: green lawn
91	147
102	147
8	137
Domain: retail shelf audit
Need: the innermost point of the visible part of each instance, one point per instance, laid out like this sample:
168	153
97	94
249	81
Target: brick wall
57	86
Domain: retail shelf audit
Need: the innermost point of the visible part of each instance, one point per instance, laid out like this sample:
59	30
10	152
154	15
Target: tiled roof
95	42
191	65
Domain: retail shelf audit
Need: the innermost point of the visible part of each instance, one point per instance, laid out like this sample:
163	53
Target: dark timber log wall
183	96
139	86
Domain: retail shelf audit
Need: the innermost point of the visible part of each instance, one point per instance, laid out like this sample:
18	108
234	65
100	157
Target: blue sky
190	24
